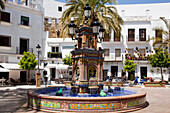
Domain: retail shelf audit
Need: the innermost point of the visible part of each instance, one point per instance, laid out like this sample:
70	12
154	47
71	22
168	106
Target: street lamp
38	51
101	33
72	28
38	75
87	11
95	26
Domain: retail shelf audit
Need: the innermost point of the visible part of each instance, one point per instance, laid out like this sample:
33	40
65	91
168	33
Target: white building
139	22
21	29
55	48
138	27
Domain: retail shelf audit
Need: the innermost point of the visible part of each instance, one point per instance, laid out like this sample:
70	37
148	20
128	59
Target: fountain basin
38	99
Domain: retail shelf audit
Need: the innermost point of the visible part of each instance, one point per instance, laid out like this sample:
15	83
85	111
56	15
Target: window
131	34
106	53
158	35
142	34
24	20
5	16
5	41
117	52
131	51
116	38
60	8
54	49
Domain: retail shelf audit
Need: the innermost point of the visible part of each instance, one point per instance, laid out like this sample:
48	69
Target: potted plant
136	48
146	47
164	71
152	70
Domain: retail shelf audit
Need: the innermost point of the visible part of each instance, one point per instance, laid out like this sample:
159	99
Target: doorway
23	76
24	45
53	71
114	71
143	72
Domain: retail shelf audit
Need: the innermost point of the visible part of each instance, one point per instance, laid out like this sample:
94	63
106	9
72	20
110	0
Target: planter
154	84
67	83
118	84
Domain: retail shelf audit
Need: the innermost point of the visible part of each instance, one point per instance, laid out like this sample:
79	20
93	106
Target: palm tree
106	15
166	33
2	6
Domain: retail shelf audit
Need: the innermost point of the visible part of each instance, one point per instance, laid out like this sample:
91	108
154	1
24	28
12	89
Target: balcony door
24	45
142	34
131	34
114	71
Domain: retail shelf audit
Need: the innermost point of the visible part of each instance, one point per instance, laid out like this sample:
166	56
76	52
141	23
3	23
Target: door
23	76
114	71
105	75
53	73
143	72
24	45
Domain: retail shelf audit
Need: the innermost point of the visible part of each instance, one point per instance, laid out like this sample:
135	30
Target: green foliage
28	61
129	66
106	15
67	60
160	59
165	40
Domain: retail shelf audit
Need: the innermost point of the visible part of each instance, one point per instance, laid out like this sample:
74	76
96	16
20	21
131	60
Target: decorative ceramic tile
44	103
100	106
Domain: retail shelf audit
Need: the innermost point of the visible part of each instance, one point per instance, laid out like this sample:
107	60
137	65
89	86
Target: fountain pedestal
87	62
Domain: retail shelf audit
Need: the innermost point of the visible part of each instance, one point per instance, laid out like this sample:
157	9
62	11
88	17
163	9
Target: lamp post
38	51
95	26
38	75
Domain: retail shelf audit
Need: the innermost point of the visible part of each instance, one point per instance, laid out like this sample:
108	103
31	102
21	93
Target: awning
51	66
11	66
4	70
57	66
62	66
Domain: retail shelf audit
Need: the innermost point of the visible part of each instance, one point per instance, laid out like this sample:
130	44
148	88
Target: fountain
86	91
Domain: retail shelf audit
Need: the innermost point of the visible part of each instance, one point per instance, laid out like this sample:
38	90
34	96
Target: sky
121	2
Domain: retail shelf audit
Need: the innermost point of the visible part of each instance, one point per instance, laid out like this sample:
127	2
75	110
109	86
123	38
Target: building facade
139	23
19	31
55	47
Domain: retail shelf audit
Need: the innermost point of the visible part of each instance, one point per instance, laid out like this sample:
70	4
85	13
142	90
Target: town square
84	56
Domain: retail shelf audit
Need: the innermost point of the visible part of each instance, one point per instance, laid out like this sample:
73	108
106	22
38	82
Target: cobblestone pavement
15	101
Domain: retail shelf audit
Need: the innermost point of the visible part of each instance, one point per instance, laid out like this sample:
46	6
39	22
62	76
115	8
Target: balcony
137	58
137	18
113	58
20	50
113	41
54	55
32	5
137	39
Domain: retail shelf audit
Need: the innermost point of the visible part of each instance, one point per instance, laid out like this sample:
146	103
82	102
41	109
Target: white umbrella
4	70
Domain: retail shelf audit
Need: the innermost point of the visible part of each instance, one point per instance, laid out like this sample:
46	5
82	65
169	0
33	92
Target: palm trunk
162	74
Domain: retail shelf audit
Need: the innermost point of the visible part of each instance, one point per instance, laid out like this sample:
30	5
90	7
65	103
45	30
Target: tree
2	4
130	67
28	62
106	15
166	33
160	59
67	60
